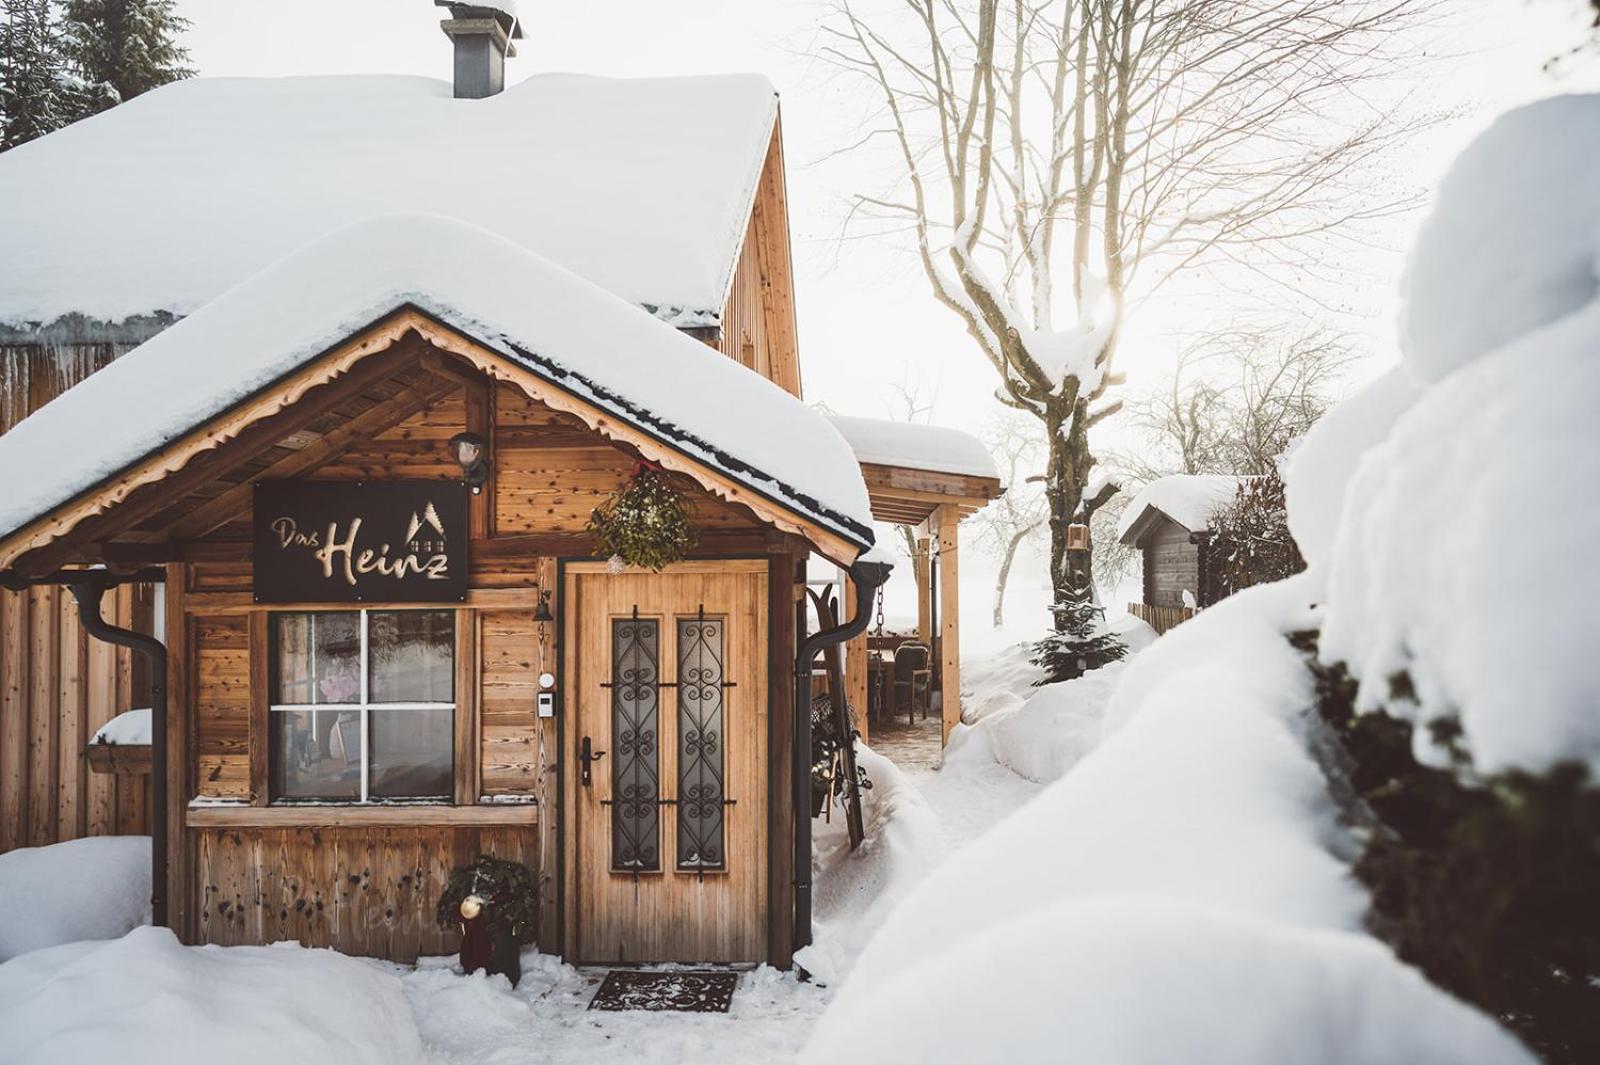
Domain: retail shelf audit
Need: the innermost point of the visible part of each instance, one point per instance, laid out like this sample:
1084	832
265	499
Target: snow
854	891
1190	499
916	447
1150	981
1042	737
1322	462
1511	242
93	888
1464	558
536	314
1180	894
145	999
643	186
129	728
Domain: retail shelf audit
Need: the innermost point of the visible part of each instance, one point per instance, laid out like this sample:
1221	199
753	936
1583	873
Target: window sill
418	815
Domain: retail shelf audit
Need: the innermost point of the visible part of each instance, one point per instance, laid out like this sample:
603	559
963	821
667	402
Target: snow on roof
1190	499
643	186
917	447
538	315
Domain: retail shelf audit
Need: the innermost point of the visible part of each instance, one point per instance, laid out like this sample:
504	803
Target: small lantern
1077	537
471	453
542	615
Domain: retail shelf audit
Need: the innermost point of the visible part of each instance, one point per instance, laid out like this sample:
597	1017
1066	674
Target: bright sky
867	322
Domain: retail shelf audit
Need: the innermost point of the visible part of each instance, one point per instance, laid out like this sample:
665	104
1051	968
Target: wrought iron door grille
701	730
635	765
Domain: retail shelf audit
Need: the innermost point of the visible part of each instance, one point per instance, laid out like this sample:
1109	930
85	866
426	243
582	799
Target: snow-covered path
546	1019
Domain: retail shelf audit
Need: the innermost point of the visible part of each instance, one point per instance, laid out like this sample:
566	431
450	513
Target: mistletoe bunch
510	897
645	523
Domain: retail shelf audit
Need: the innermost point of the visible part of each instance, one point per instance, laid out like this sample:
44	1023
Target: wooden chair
913	679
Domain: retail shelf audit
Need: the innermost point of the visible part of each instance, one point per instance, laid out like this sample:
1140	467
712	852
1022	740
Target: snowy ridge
537	314
643	186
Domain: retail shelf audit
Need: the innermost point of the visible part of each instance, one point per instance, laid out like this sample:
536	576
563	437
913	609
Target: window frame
363	707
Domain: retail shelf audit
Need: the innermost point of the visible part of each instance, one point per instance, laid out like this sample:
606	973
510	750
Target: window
363	705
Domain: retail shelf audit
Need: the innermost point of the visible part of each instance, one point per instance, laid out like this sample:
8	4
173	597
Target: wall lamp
471	453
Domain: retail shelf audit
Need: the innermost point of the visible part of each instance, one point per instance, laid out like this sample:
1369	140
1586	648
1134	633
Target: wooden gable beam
379	419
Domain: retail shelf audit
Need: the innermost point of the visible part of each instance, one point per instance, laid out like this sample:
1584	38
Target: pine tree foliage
1250	538
121	48
35	92
1081	641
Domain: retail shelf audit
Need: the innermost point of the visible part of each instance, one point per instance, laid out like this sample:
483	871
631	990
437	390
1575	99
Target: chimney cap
503	12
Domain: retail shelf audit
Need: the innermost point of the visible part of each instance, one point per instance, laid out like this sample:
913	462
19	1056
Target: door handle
586	758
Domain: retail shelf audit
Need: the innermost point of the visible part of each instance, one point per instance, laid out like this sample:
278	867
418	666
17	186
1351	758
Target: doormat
683	991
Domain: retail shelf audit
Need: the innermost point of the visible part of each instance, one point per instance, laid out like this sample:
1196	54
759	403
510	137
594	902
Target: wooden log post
855	683
922	568
947	526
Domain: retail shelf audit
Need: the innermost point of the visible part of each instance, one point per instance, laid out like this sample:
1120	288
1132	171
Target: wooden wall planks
57	687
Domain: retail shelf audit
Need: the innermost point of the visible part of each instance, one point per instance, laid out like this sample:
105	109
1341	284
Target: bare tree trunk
1005	574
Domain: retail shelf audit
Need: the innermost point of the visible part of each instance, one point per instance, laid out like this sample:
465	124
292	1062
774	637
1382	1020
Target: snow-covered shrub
95	888
1458	667
1250	539
1488	889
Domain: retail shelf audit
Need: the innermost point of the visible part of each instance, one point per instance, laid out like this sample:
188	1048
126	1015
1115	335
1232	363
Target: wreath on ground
505	894
645	523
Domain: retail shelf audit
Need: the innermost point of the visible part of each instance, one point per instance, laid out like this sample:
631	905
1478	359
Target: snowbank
145	999
1181	883
1510	245
1042	736
854	892
94	888
533	312
1149	981
998	681
129	728
1323	461
1462	581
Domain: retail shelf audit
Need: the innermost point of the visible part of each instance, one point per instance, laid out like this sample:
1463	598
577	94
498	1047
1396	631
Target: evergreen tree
35	94
121	48
1081	641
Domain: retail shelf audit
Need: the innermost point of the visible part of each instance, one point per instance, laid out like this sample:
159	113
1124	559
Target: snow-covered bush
1250	539
95	888
1458	666
145	999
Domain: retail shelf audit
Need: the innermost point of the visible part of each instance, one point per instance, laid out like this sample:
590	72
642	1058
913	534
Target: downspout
866	577
89	587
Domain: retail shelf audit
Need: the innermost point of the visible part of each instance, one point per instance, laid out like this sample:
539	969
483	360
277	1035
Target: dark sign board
360	542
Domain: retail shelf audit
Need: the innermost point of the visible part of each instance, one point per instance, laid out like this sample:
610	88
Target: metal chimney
482	34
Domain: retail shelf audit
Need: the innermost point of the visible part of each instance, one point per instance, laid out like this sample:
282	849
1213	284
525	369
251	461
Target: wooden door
667	740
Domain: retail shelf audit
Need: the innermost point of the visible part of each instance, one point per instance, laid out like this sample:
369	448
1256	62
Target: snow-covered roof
536	314
1190	499
643	186
916	447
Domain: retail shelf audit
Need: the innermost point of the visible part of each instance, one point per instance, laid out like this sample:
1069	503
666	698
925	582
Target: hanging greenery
645	523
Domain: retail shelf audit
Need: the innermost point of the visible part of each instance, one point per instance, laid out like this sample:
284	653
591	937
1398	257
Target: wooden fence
57	686
1161	618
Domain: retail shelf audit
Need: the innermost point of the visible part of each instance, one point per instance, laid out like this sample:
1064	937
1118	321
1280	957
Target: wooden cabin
381	662
1168	521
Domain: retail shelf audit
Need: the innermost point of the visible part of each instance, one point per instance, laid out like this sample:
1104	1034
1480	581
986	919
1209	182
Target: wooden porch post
855	682
921	565
947	525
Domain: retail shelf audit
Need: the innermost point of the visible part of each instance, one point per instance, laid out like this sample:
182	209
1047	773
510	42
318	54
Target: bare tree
1236	400
1124	141
1018	516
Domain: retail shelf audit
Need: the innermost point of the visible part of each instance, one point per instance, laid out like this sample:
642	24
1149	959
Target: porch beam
948	529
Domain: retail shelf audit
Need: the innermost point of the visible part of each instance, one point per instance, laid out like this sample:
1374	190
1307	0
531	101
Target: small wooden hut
358	464
1168	521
